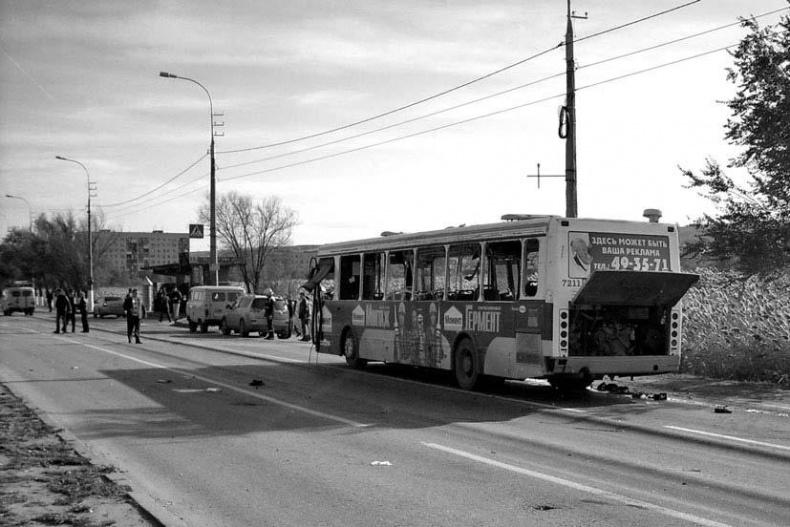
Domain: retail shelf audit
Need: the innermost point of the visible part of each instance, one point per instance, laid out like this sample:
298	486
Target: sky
80	79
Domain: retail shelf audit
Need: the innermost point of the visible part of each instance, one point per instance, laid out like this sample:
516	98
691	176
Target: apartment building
134	253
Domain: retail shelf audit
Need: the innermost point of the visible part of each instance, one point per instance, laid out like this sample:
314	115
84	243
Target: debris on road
381	463
256	382
722	410
623	390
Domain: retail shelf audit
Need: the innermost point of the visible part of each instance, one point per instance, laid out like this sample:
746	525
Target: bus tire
223	327
350	349
203	327
192	327
465	365
243	331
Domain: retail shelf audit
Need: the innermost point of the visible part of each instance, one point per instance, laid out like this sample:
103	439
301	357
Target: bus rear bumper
597	367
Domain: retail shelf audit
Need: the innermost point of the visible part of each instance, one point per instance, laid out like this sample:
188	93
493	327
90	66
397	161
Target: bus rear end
617	309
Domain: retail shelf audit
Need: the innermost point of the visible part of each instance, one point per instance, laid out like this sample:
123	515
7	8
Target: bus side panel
330	328
518	353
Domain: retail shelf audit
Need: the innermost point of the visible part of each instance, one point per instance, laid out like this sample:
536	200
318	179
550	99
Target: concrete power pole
569	111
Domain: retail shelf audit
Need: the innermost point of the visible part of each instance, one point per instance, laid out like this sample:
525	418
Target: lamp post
29	210
90	235
213	265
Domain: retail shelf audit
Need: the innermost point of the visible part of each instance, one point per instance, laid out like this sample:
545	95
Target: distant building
290	261
134	254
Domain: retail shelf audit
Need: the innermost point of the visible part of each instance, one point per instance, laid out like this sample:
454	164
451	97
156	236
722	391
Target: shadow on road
273	397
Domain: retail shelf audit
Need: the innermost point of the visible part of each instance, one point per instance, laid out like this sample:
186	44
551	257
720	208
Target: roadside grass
44	481
738	328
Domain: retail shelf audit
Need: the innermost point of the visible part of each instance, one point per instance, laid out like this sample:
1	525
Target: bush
738	327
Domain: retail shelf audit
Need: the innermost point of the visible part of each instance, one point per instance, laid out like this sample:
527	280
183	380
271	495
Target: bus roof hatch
635	288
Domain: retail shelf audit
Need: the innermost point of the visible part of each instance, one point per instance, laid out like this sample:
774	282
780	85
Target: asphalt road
316	443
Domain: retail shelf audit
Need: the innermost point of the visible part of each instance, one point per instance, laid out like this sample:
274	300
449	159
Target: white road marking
769	405
731	438
579	486
242	391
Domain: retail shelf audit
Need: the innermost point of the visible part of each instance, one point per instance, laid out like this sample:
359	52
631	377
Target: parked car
109	305
246	315
18	298
207	305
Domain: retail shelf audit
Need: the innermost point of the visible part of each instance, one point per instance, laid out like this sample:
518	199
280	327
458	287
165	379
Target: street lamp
90	235
29	210
213	265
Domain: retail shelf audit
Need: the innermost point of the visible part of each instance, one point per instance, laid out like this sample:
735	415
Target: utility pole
567	128
569	110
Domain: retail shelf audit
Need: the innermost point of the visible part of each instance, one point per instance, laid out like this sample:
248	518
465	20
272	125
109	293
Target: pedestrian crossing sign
195	230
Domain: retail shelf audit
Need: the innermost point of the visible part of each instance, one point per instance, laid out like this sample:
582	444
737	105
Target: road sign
195	230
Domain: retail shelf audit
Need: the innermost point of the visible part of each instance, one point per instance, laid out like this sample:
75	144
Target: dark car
109	305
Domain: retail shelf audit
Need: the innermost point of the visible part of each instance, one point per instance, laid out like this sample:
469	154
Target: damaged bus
568	300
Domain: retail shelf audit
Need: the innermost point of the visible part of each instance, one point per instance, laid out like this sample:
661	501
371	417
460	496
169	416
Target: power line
160	186
490	96
395	110
450	90
654	15
471	119
128	209
150	206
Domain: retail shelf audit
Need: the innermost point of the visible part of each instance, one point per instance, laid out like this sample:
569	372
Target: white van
207	305
18	298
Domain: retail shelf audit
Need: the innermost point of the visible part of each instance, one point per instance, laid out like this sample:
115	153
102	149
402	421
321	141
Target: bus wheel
351	351
192	326
243	331
223	326
204	327
465	365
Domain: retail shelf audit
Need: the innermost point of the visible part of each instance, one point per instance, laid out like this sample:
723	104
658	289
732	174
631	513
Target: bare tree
251	230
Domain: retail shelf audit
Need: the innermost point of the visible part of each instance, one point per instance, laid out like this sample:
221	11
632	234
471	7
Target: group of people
167	302
67	304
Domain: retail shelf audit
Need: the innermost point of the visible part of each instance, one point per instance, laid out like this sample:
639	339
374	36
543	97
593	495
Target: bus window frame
522	295
419	275
379	271
492	272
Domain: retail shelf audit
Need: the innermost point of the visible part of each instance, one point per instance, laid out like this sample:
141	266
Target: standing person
127	310
61	311
269	315
291	304
175	302
135	314
49	299
83	307
162	305
304	315
72	310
